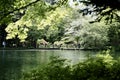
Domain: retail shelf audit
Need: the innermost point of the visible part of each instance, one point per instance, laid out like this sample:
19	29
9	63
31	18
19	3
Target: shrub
101	67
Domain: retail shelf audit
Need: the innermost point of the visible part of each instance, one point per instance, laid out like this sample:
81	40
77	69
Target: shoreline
50	49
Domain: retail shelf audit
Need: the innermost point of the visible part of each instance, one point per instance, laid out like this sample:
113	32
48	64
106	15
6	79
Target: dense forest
60	24
80	24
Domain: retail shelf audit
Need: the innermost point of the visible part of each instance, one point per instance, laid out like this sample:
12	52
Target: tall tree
39	15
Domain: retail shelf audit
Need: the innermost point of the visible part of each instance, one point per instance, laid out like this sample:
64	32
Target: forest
60	24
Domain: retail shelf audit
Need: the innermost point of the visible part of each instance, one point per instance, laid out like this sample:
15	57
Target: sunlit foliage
40	15
27	18
8	8
88	36
100	67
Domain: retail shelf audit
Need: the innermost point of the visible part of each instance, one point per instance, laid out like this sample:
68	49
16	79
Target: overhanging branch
23	7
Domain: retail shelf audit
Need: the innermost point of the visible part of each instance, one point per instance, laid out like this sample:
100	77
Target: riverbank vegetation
64	24
59	24
100	67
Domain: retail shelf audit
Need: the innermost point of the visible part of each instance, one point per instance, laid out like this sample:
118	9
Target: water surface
14	62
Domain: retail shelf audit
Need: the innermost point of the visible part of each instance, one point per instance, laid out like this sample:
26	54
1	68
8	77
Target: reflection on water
13	63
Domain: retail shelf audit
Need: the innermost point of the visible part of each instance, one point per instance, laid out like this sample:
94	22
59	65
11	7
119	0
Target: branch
23	7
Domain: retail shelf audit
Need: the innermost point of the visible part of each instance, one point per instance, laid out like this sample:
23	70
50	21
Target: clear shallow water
14	62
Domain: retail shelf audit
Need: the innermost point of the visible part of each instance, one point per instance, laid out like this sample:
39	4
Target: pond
14	62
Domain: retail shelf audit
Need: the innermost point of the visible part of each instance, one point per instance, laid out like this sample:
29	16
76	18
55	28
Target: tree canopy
103	8
28	19
9	8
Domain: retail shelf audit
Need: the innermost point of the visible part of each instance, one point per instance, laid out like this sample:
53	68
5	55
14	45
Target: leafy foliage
101	67
89	36
8	8
93	37
57	69
114	35
41	17
107	10
29	19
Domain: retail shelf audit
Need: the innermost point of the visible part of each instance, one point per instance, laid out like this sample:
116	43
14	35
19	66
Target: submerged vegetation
100	67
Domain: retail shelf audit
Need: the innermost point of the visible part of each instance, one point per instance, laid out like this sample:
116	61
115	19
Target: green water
14	62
